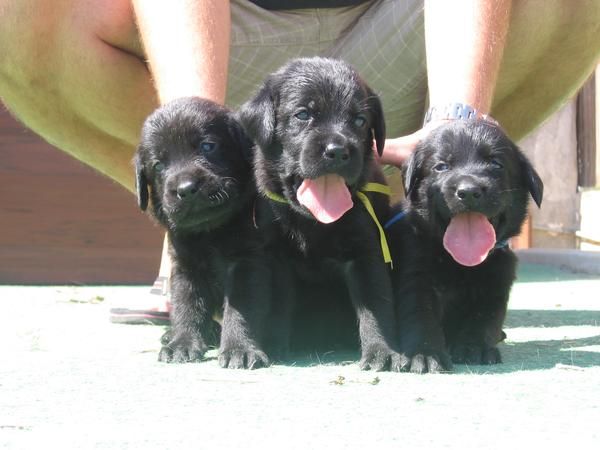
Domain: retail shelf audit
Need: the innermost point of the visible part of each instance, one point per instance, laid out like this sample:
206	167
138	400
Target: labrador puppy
467	186
194	175
314	123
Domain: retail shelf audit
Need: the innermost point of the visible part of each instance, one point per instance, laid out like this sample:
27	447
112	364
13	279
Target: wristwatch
455	111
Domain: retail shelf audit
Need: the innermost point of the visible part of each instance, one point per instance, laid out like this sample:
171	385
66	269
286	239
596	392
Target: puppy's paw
182	349
469	353
243	358
379	357
426	362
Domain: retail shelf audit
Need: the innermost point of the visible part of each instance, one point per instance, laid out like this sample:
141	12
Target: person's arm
187	46
465	42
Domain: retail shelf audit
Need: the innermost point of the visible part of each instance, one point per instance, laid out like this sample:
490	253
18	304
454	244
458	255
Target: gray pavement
70	379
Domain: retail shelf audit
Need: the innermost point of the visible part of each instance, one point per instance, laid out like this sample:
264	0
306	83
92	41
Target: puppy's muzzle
336	154
195	191
469	193
186	189
335	158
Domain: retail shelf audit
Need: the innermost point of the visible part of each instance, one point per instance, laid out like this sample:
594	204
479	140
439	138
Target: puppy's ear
257	115
237	132
378	129
532	179
141	184
412	171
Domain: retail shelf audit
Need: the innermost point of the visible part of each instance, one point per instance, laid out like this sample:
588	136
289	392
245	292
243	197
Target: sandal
150	316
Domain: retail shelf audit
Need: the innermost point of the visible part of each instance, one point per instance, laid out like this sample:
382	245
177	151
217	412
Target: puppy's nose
336	152
186	189
469	193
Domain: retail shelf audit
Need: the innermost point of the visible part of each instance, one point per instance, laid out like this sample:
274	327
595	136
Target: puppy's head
314	122
192	165
471	183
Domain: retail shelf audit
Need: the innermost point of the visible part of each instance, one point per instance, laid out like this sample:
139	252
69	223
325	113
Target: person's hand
397	150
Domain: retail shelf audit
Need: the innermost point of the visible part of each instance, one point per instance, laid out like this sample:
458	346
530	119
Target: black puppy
467	188
193	169
314	122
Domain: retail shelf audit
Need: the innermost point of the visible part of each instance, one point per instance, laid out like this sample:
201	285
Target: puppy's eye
208	147
158	167
496	164
302	115
360	121
441	167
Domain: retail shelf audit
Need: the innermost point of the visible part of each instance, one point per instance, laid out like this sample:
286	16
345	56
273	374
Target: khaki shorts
382	39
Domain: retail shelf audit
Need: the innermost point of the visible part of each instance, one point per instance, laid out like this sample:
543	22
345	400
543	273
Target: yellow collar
369	187
275	197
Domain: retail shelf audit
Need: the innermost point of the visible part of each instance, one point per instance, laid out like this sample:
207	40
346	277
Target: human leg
74	73
553	47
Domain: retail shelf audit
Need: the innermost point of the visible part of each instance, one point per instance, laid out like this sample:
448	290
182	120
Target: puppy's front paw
426	362
380	357
182	349
470	353
243	358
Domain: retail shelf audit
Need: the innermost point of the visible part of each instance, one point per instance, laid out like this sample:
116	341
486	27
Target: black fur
447	311
300	110
193	173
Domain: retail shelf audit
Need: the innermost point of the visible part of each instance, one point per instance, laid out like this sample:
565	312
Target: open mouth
327	197
469	238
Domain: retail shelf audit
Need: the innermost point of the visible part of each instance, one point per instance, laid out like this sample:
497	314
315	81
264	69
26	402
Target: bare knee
552	48
554	37
36	35
548	25
28	33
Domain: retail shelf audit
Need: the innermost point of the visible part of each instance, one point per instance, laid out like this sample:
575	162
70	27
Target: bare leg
73	71
553	46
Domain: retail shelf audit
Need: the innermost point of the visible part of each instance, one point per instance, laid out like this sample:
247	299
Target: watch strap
455	111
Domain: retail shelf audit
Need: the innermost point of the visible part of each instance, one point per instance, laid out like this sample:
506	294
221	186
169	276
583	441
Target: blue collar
397	217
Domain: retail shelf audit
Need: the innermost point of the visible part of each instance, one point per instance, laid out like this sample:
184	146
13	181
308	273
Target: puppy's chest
319	244
455	283
215	252
212	260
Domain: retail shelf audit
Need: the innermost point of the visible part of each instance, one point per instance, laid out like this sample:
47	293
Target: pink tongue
326	197
469	238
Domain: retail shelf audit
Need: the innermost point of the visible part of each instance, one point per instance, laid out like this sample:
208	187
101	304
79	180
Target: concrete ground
70	379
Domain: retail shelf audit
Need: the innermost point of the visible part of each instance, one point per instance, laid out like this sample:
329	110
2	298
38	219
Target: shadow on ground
573	342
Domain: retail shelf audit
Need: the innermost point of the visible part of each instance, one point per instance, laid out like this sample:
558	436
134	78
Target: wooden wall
60	222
